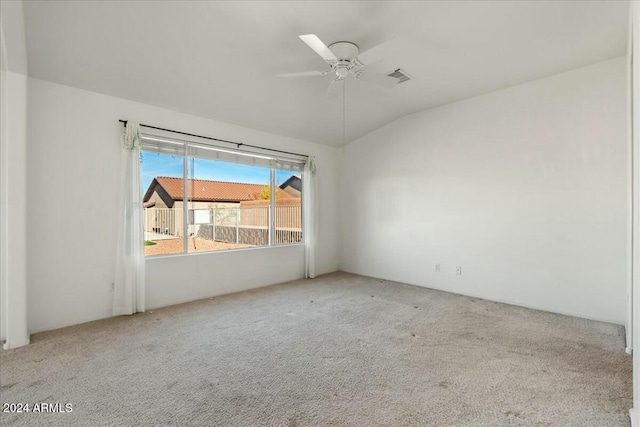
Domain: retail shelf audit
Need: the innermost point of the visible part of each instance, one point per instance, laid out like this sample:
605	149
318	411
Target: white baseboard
632	416
628	350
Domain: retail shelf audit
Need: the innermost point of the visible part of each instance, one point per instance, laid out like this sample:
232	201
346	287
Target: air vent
401	75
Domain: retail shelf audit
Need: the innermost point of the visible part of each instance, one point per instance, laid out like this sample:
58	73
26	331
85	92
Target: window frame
187	158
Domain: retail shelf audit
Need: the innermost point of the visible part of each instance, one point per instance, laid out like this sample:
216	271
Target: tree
265	194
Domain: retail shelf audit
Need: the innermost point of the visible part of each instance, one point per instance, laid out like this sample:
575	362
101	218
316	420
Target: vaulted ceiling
220	59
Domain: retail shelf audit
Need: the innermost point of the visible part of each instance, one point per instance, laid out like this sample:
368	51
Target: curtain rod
237	144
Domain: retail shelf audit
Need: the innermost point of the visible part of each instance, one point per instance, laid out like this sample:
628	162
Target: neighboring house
166	192
165	197
293	186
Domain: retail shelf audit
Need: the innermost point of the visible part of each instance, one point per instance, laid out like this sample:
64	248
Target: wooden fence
245	224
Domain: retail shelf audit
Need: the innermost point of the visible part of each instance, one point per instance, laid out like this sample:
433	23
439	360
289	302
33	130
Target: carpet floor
337	350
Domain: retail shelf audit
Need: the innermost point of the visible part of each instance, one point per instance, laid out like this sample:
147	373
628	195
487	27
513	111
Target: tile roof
210	191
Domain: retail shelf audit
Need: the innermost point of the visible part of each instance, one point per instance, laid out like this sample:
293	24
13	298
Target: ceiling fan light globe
342	72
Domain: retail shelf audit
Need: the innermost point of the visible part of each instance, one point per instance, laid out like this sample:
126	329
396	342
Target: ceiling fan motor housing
347	54
345	51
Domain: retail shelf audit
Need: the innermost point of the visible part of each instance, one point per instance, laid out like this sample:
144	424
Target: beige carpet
339	350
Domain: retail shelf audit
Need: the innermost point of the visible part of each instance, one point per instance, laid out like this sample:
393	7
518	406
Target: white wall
13	200
635	99
4	141
228	272
73	157
525	188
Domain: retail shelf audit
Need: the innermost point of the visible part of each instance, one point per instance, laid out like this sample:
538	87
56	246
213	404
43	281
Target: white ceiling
220	59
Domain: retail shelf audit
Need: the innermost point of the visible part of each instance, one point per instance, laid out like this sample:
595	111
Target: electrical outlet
459	271
113	286
437	267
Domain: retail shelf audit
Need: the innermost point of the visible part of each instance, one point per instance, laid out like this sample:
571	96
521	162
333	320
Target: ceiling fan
344	59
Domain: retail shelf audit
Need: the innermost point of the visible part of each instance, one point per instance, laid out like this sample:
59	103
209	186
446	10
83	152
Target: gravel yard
174	246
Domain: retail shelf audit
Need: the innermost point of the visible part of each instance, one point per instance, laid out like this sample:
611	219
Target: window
161	217
225	199
288	227
230	199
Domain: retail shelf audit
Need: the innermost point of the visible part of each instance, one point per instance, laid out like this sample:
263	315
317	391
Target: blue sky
154	164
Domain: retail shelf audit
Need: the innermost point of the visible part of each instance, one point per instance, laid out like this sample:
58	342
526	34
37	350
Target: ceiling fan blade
377	79
335	88
320	48
304	74
379	52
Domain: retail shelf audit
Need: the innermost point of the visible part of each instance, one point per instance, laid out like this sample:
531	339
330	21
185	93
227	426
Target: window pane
162	215
288	207
228	205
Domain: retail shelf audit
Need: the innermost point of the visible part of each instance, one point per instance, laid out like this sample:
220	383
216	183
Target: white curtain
128	295
309	209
